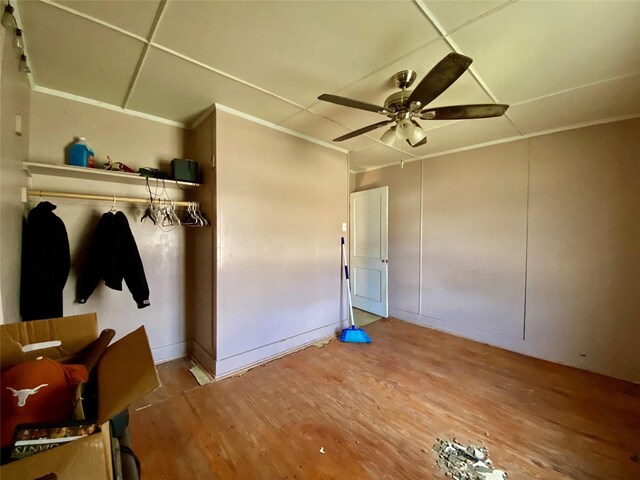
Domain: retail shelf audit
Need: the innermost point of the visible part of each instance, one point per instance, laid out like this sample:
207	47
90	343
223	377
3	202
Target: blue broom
351	334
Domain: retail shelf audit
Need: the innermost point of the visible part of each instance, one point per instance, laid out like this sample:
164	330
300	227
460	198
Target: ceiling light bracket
404	79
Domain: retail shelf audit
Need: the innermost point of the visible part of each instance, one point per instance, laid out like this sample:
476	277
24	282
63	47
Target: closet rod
105	198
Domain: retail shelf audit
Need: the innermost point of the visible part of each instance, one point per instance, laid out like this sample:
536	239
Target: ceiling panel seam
93	19
143	55
203	116
149	42
280	128
136	74
382	67
156	20
168	50
568	90
286	119
335	123
364	77
442	31
282	122
107	106
375	139
482	15
443	35
224	74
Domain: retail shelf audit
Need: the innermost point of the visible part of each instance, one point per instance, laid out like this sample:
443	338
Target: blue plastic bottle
80	152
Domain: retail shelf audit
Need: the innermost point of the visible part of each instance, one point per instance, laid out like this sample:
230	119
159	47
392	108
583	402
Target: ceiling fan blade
419	144
348	102
440	78
458	112
362	130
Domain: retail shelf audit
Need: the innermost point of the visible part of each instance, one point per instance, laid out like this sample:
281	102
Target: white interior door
369	261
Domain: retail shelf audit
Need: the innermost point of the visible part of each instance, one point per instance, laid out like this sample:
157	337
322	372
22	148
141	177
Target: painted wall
583	273
530	245
201	252
281	202
136	142
404	230
15	97
474	238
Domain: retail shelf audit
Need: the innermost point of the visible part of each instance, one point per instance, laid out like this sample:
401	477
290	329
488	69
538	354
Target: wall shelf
69	171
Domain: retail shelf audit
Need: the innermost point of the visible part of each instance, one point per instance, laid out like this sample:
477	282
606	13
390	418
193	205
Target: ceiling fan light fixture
405	129
417	135
389	137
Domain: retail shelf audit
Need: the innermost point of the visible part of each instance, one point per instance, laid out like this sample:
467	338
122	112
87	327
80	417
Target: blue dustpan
354	334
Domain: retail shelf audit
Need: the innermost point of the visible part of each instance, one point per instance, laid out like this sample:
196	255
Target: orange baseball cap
37	391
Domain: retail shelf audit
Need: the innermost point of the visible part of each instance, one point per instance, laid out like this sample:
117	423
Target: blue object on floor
351	334
354	334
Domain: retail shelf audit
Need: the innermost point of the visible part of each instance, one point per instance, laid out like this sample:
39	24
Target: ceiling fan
405	107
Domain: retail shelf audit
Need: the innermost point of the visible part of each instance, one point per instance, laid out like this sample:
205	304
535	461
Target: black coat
113	256
45	263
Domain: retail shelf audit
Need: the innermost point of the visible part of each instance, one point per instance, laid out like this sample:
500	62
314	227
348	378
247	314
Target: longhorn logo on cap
24	393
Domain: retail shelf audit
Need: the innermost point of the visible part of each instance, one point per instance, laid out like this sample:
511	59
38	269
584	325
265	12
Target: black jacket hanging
45	263
113	256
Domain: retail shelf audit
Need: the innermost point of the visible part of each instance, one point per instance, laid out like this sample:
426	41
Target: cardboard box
125	373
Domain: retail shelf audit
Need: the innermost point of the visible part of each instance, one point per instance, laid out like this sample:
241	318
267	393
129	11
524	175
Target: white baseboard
171	352
258	356
543	351
460	330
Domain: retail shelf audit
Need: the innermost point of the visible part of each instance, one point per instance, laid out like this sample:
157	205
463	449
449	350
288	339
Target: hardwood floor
377	409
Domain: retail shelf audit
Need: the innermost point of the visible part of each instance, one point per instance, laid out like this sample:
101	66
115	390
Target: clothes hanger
113	206
150	212
191	218
166	219
187	218
196	212
174	215
203	219
170	219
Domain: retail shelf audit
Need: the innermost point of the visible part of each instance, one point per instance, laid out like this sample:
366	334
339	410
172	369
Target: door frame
384	252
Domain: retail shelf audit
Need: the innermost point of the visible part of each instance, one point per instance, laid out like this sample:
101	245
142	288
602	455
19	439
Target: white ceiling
558	64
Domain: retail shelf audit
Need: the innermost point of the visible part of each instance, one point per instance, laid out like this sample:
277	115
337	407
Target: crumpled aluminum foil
462	462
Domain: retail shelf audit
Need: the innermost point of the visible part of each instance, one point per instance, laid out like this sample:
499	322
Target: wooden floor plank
377	409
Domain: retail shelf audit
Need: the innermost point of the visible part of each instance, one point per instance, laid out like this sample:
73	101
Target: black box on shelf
185	170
